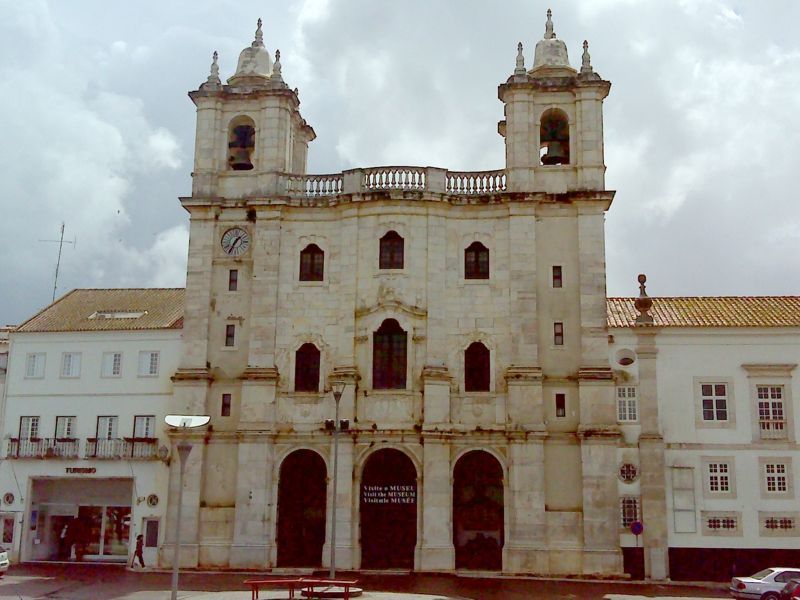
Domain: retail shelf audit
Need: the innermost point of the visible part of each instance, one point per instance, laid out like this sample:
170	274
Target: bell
239	159
555	154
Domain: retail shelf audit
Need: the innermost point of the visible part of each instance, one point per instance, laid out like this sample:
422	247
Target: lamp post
182	422
338	388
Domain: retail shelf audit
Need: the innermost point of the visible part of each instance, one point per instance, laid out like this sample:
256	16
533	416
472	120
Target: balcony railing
405	178
122	448
773	429
43	448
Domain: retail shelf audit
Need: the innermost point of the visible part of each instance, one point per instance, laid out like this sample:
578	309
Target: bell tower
553	126
249	131
250	140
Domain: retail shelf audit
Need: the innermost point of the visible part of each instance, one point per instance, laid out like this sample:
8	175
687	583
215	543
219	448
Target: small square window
558	334
558	280
226	405
561	405
230	335
233	280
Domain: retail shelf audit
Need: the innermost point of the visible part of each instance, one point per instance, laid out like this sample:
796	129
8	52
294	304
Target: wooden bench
292	585
310	583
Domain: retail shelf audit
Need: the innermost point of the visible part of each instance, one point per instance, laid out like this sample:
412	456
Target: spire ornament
586	59
213	80
259	41
643	303
276	68
549	34
520	70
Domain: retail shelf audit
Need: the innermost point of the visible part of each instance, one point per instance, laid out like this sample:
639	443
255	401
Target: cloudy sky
702	126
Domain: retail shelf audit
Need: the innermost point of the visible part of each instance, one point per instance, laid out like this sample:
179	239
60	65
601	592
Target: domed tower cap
551	53
255	64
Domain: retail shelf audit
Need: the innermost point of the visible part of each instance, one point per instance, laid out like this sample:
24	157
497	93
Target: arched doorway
388	509
478	511
302	491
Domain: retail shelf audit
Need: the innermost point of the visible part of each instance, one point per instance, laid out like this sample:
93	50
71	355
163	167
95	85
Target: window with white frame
148	363
714	398
144	426
71	364
28	428
627	404
776	477
771	415
112	364
628	510
34	365
107	427
65	427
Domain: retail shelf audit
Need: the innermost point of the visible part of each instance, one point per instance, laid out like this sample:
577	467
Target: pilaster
436	397
254	529
525	549
264	289
651	459
525	397
259	391
437	552
347	505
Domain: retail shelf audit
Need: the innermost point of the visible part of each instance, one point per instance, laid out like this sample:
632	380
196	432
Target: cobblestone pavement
106	582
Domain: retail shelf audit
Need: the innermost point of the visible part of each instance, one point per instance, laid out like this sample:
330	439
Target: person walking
139	553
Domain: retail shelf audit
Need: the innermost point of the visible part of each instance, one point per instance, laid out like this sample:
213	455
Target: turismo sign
389	494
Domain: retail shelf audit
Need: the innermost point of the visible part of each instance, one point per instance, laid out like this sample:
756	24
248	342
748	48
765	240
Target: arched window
476	261
476	368
241	143
389	357
554	137
306	369
312	263
391	256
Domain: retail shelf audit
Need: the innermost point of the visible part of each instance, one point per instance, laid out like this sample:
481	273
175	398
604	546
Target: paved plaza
107	582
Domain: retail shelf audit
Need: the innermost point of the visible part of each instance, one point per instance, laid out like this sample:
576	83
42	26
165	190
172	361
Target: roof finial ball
548	27
643	303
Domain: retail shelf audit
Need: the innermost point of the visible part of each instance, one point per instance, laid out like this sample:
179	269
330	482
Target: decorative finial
520	70
548	28
586	61
643	303
259	41
213	80
276	68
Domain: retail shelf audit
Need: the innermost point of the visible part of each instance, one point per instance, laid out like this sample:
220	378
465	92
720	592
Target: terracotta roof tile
711	311
161	308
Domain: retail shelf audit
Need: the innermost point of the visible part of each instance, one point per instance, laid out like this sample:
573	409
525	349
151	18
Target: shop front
78	519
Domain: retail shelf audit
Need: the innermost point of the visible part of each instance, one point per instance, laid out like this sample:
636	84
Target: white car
764	585
3	561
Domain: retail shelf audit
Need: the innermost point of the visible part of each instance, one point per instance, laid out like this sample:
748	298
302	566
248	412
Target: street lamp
336	426
182	422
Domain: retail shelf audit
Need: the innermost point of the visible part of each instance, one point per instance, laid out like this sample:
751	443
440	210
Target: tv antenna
60	243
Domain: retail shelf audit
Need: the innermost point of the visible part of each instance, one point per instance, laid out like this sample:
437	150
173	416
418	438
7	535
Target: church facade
463	314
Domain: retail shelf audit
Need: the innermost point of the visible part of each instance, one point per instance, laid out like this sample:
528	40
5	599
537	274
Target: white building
709	457
84	460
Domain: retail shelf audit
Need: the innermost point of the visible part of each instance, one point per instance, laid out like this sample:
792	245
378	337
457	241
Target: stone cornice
192	374
769	369
599	433
436	373
518	374
260	374
391	304
599	374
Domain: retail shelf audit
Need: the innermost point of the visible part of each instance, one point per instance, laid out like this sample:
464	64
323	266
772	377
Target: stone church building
498	412
463	312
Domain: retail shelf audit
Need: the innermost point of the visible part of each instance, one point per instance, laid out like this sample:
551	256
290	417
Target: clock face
235	241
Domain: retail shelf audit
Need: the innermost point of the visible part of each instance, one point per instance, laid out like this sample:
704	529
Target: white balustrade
476	182
395	178
315	185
